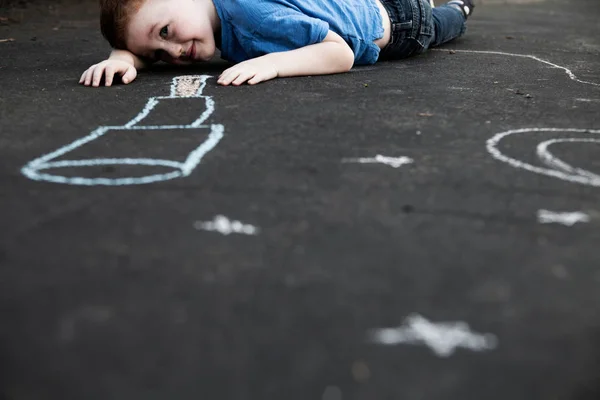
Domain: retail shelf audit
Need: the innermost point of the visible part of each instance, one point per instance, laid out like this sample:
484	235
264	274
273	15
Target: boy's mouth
191	53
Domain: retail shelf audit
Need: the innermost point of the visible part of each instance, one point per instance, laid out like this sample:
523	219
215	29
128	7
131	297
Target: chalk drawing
564	218
223	225
443	337
558	168
395	162
569	73
588	100
182	87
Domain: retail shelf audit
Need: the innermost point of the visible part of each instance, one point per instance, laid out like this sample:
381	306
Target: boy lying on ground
266	39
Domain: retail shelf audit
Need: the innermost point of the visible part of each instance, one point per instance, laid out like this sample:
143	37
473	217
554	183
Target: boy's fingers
255	79
225	73
98	71
243	77
109	73
222	78
85	74
89	75
229	77
108	69
129	75
258	78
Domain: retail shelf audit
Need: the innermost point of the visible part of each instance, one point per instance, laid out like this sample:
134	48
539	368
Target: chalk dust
187	86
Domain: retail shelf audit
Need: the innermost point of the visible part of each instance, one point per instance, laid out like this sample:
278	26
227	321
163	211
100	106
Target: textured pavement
111	289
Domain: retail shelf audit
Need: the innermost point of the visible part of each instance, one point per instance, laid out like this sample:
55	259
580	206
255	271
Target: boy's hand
252	71
331	56
108	69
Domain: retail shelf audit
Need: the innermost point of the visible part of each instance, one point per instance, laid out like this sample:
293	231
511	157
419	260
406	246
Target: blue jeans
417	27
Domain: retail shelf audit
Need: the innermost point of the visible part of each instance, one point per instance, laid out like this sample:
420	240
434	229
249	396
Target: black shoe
466	6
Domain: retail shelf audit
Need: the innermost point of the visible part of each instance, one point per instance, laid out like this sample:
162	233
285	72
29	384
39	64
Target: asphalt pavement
176	239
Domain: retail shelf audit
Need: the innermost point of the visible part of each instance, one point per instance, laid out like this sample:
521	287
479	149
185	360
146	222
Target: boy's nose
176	51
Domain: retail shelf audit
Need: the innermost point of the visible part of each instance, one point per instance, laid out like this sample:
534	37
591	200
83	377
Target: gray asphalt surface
117	293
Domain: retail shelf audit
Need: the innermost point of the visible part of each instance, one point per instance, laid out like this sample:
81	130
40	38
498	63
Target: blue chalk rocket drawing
182	87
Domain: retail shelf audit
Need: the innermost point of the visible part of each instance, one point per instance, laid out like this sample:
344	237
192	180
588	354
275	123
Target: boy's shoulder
253	12
258	6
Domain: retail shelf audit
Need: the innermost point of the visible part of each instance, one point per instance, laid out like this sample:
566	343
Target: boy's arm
331	56
120	62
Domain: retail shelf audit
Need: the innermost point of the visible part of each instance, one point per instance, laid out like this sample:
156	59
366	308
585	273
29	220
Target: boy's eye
164	32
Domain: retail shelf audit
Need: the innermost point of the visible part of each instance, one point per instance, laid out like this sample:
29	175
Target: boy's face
174	31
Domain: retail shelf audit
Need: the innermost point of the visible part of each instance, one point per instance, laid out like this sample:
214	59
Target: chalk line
225	226
588	100
559	169
443	338
569	73
394	162
564	218
554	162
182	87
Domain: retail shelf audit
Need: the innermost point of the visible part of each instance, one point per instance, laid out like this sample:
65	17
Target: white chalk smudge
564	218
223	225
394	162
588	100
442	337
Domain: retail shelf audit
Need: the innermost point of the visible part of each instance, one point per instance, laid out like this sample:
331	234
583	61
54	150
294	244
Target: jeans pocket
424	40
402	49
426	29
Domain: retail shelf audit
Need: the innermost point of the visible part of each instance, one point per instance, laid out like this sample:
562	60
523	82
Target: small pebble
360	371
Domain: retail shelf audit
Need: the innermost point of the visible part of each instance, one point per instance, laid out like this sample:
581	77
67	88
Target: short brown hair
114	18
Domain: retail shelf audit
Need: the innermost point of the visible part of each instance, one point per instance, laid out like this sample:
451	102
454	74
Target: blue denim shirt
252	28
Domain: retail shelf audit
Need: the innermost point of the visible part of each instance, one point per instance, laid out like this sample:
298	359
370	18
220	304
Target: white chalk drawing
394	162
182	87
564	218
569	73
588	100
443	337
557	168
223	225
